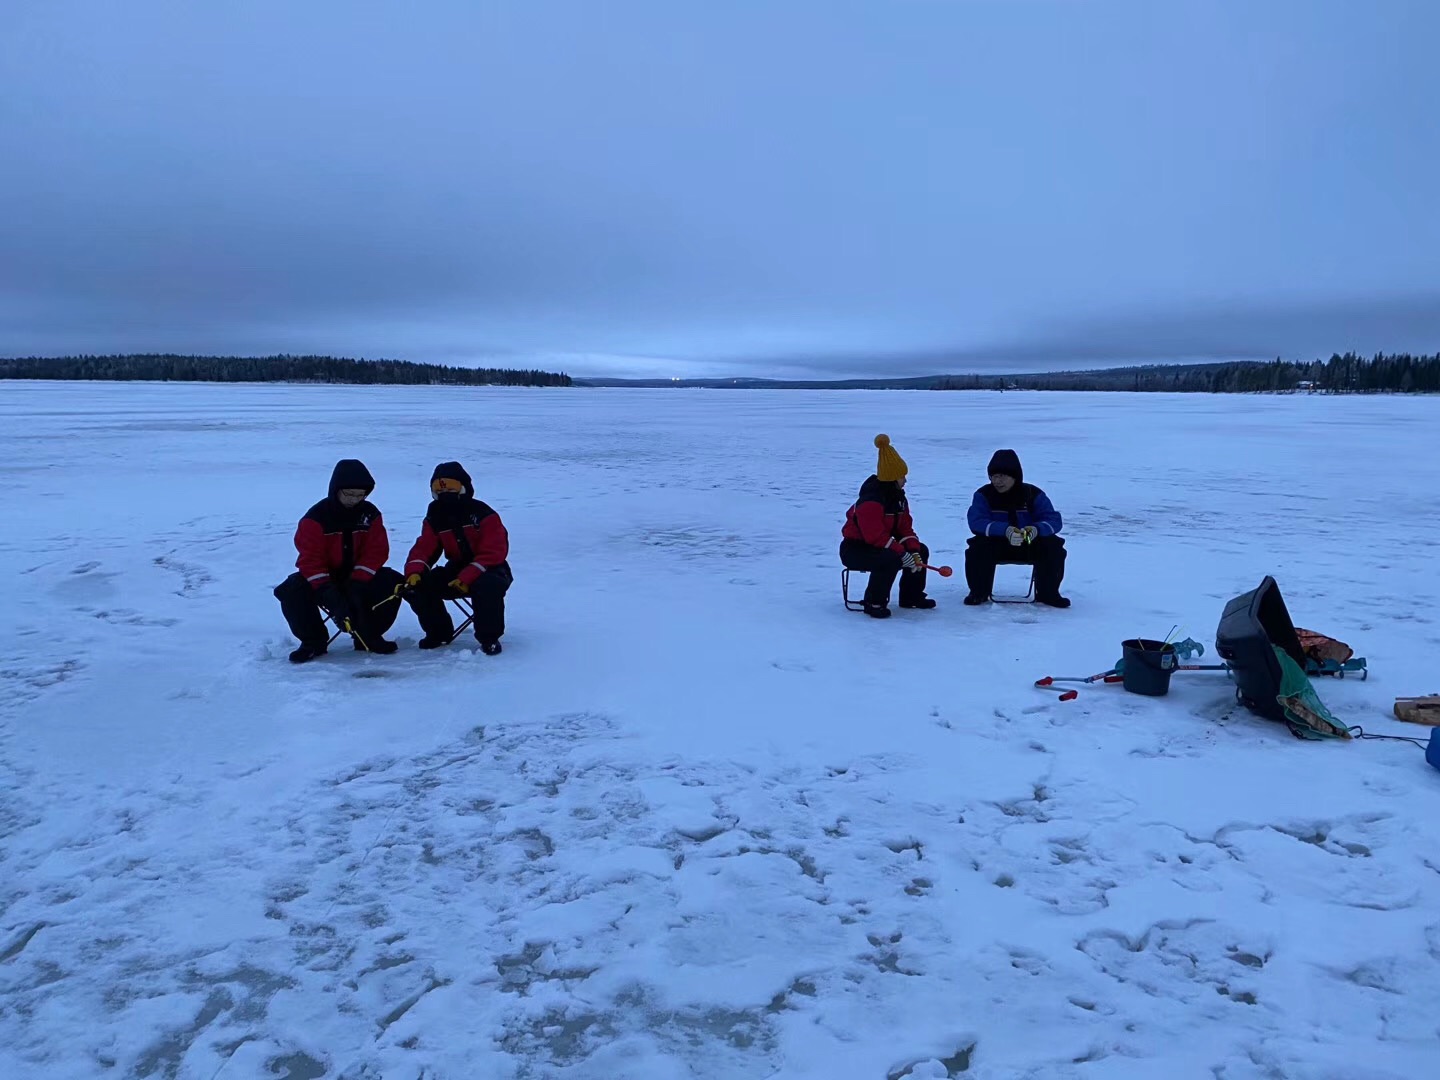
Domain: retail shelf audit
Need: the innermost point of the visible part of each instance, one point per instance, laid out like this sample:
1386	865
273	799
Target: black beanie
1007	463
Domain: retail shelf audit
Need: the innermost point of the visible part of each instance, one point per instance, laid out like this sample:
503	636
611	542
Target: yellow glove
460	587
412	581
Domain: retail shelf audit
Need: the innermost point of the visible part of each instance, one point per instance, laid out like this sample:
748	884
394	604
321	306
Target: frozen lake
698	820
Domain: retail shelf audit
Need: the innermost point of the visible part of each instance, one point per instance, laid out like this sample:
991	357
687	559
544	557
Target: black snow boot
490	648
432	641
975	600
308	652
877	611
1055	600
925	603
380	646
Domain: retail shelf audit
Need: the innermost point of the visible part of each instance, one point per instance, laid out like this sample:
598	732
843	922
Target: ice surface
698	820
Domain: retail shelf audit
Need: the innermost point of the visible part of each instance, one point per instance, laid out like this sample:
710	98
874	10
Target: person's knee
434	583
390	583
382	584
988	548
490	585
293	587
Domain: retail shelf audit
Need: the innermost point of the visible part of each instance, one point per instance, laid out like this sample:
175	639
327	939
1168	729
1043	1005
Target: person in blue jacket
1013	522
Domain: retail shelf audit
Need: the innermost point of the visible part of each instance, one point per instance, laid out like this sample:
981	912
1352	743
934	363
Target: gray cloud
746	186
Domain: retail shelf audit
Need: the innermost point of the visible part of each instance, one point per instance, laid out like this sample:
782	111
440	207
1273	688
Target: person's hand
409	585
1030	533
459	586
1015	536
912	561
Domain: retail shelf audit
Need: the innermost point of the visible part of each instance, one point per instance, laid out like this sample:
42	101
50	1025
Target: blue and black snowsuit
992	514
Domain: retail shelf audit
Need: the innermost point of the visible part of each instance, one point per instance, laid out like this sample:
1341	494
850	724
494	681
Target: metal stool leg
468	608
1029	592
850	605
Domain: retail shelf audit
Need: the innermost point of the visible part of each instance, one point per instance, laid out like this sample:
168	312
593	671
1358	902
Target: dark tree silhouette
1341	374
307	369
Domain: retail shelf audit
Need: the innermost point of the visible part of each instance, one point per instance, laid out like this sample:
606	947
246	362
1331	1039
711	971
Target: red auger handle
1065	695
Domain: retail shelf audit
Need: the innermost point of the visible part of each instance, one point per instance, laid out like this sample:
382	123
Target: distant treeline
1347	374
307	369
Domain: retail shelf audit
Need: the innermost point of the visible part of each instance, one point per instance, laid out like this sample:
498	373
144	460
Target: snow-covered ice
698	820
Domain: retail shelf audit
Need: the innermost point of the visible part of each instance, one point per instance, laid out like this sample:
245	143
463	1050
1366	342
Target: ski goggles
444	485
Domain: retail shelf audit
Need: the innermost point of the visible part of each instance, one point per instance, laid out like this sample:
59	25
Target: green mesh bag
1305	713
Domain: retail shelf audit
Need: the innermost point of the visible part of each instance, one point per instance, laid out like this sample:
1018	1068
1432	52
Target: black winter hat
350	473
453	470
1007	463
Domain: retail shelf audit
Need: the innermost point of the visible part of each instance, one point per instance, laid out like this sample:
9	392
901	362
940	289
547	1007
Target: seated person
476	546
342	547
879	537
1013	522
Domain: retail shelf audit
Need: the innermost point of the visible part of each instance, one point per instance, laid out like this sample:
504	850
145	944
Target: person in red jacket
879	537
342	546
476	546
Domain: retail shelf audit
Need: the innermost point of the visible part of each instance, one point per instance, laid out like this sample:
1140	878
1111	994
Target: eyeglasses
352	495
443	485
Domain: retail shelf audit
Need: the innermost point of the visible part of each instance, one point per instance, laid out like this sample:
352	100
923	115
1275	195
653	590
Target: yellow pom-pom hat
891	465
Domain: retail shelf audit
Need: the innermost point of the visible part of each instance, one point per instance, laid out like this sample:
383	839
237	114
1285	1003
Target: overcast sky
707	187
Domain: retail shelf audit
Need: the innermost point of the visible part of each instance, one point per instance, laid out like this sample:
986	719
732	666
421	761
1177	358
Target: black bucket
1148	666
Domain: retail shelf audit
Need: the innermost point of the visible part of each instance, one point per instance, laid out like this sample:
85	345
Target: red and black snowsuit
476	546
341	554
877	534
339	542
